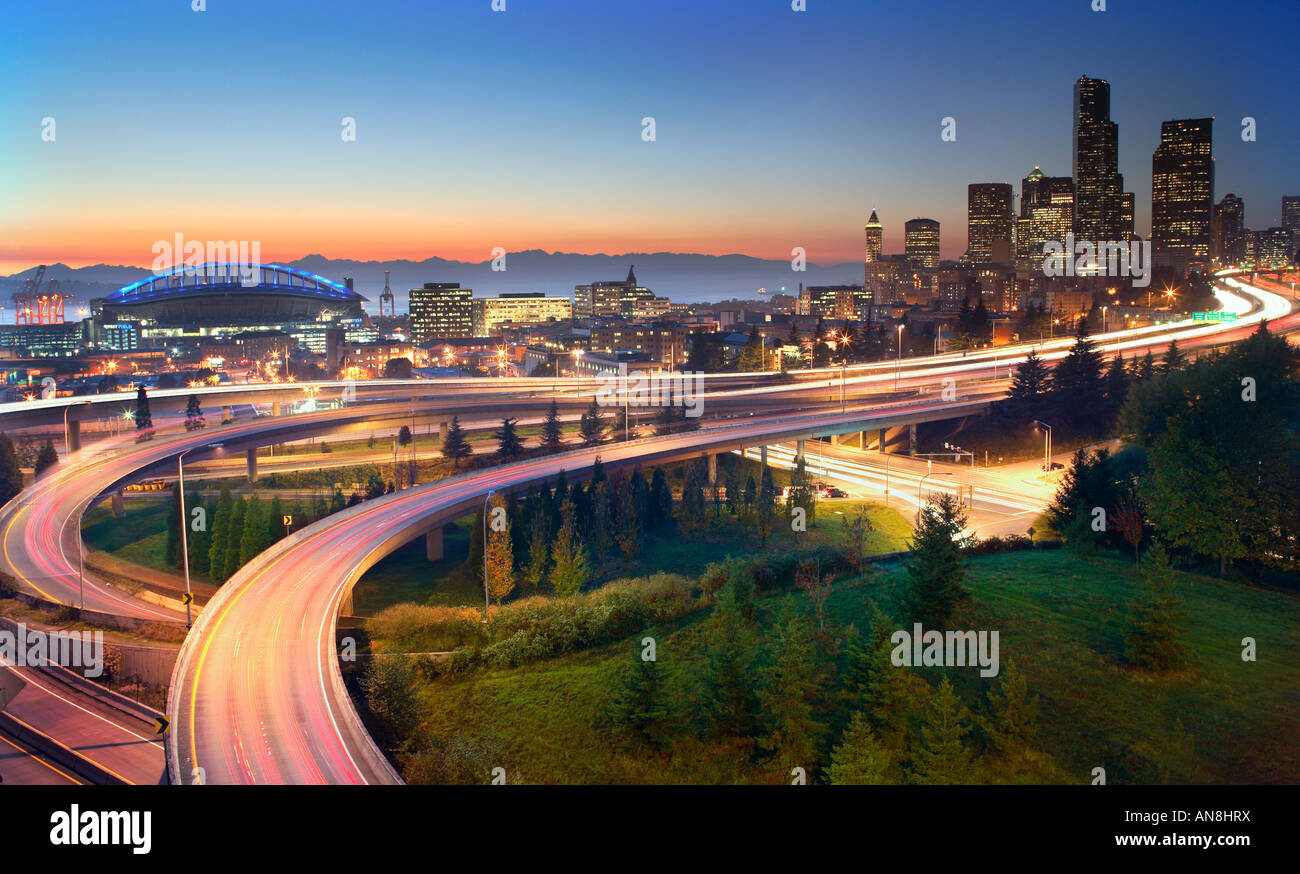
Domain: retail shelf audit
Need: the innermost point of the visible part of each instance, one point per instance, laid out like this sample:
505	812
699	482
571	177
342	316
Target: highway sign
160	725
187	599
1214	316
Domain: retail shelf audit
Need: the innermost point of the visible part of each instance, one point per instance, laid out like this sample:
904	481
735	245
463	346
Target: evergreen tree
274	521
1027	396
552	431
751	355
509	446
943	758
172	550
1152	638
1147	368
749	504
936	566
790	690
1012	724
454	445
1116	388
661	501
221	526
638	706
194	414
539	559
692	510
592	425
568	555
860	759
232	562
254	536
11	474
727	700
143	418
200	541
765	509
801	494
1077	389
627	521
599	537
735	486
1087	483
1174	360
47	459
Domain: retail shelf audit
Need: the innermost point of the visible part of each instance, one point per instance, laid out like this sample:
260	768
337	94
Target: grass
140	537
1061	618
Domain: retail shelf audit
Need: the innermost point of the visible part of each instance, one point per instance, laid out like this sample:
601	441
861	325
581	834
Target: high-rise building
441	310
874	235
1229	229
520	308
921	243
1046	215
1291	217
1273	247
1103	211
617	299
1182	194
988	223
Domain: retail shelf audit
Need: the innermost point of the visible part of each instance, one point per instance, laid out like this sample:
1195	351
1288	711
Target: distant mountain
681	277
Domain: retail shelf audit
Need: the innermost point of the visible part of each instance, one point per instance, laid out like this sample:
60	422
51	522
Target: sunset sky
522	129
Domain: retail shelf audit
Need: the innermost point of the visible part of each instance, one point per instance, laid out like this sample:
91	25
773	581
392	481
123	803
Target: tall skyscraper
1046	215
1182	194
874	235
921	243
1103	211
1291	217
441	310
1229	229
988	223
624	299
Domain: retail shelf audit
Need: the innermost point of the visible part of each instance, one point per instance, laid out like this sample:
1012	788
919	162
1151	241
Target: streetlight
1103	319
1047	446
185	540
898	369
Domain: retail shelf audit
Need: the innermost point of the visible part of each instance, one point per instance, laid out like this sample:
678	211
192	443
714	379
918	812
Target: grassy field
140	537
1061	619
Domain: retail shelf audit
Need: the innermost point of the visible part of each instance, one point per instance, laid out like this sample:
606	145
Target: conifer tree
11	474
552	438
592	425
454	444
638	706
509	446
47	459
935	566
860	759
1152	639
143	418
943	758
791	688
221	526
568	554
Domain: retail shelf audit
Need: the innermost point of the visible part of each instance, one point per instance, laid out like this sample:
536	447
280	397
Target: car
1056	465
833	492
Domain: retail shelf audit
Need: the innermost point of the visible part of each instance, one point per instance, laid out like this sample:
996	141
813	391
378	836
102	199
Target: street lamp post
899	367
1047	447
185	540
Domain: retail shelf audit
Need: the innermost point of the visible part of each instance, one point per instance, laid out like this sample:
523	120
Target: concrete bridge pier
275	409
74	437
911	439
225	415
762	455
251	454
713	468
882	438
433	545
119	507
798	449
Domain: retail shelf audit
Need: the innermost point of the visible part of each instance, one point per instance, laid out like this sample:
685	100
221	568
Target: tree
766	506
11	474
1088	483
232	562
194	414
856	534
1077	389
143	418
539	532
200	540
552	432
801	494
1127	520
705	353
1151	641
599	538
568	554
790	689
454	445
728	703
860	759
1174	360
661	501
943	758
692	510
172	549
1027	395
817	588
1117	380
221	525
274	520
254	536
500	555
404	437
592	425
638	706
627	518
397	368
935	566
1012	724
751	355
509	446
47	459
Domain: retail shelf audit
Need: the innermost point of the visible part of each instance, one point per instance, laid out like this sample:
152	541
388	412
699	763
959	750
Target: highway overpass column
433	545
911	438
74	437
798	449
225	415
713	468
762	455
882	437
252	464
275	408
119	508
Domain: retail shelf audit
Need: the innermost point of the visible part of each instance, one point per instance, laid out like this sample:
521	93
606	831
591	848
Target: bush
1010	543
417	628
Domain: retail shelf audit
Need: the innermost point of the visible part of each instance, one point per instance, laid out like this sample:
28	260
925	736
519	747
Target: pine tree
936	566
552	431
1012	724
801	495
253	539
454	445
727	700
1152	638
231	557
592	425
599	539
509	446
1077	389
734	485
274	521
661	501
692	512
751	356
568	555
1147	368
1027	395
638	706
790	689
200	541
860	759
627	520
1174	360
143	418
943	757
11	474
194	414
539	559
766	509
1116	387
500	555
47	459
221	526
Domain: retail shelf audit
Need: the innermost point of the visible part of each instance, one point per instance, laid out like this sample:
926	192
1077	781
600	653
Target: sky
523	129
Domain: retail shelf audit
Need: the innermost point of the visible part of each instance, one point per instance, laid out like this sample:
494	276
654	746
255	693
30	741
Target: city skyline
723	175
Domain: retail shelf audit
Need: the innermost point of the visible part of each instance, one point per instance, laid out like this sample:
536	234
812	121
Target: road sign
187	599
1214	316
287	520
160	725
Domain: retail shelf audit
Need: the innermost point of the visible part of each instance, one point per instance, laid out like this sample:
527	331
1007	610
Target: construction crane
34	307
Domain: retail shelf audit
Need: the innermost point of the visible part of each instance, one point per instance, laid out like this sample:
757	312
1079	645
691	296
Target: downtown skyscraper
1103	211
989	223
1182	194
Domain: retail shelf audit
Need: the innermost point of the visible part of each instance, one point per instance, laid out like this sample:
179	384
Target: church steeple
631	275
